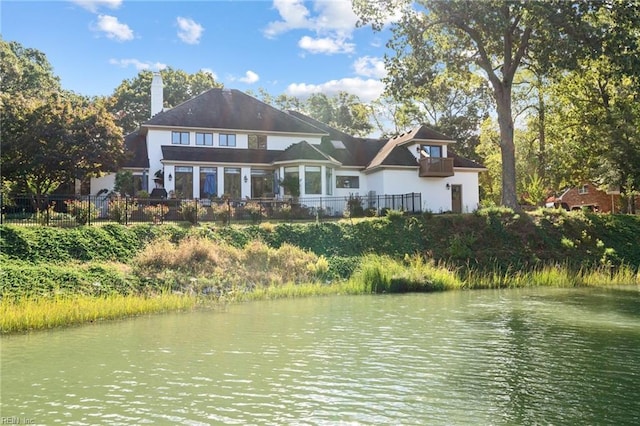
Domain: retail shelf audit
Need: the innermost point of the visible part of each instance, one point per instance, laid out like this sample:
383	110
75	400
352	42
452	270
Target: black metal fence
71	210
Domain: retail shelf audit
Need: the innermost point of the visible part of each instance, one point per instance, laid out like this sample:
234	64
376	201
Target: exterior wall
470	189
103	182
436	197
362	190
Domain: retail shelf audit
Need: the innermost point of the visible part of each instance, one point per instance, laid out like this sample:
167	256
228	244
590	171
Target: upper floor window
180	138
204	139
434	151
257	141
227	139
584	189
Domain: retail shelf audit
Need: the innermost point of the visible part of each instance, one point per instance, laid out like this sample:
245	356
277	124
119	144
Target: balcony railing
436	167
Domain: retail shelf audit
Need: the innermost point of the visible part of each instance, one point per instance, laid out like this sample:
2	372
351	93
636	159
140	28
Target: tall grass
43	313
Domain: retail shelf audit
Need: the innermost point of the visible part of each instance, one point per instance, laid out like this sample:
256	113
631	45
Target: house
588	196
227	142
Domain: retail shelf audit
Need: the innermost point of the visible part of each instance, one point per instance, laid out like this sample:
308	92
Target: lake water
536	356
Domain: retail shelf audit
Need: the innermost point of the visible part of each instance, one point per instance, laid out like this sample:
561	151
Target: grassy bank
54	276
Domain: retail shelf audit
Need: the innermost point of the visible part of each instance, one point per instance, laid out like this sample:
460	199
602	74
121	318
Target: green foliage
291	185
191	211
121	209
124	183
82	210
156	212
255	211
354	206
223	212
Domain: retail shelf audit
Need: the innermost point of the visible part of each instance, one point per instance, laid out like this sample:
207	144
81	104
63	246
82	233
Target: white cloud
367	90
189	30
113	28
326	45
369	66
250	77
294	16
332	22
139	65
94	5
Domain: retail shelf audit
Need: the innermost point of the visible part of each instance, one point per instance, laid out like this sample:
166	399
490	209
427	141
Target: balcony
436	167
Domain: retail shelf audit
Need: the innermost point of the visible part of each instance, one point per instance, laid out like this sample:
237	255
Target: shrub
156	212
255	211
82	211
191	211
223	212
121	209
354	207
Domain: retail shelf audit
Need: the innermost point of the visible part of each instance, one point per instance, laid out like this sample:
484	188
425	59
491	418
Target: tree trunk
507	148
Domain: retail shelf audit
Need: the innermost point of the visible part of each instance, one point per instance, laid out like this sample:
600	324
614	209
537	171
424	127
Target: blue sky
283	46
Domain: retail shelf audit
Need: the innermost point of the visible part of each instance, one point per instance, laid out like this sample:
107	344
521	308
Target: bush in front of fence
121	209
191	211
82	211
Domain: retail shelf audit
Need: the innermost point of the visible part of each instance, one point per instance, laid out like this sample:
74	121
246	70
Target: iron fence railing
71	210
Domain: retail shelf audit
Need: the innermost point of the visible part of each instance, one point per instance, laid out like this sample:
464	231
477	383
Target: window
184	182
204	139
257	141
329	178
292	174
227	139
232	182
180	138
347	182
208	182
312	180
584	189
261	183
434	151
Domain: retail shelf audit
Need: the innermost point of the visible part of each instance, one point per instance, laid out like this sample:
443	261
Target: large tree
492	39
49	136
131	100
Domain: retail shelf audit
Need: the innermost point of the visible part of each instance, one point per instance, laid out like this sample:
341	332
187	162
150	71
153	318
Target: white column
323	180
220	174
196	181
302	180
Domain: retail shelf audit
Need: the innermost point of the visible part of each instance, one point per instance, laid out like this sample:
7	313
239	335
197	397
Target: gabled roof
356	151
135	144
231	110
303	151
420	133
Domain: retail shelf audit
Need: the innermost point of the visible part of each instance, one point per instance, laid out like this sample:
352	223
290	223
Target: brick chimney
156	94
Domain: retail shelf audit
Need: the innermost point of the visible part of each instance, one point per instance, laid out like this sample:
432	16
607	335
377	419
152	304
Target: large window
204	139
312	180
227	139
180	138
232	182
208	182
257	141
347	182
329	178
261	183
433	151
292	175
184	182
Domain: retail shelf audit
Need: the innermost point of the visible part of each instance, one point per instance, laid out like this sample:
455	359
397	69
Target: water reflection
540	356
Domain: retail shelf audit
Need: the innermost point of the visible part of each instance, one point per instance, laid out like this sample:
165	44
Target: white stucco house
227	142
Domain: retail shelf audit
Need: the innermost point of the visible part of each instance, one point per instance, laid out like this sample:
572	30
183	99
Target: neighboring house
586	196
227	142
